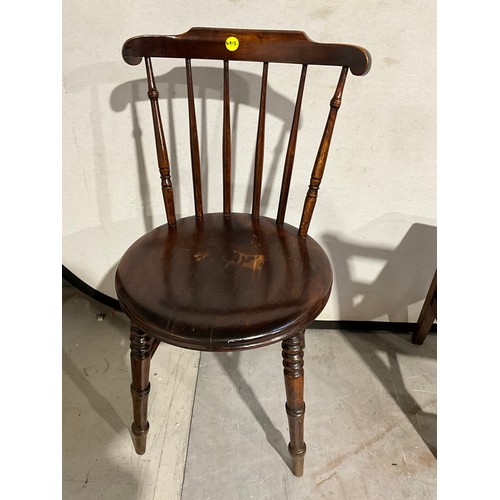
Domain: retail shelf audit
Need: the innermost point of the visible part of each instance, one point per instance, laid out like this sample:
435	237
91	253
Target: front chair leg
140	359
293	363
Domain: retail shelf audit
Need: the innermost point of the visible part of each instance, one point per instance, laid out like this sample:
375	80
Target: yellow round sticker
232	43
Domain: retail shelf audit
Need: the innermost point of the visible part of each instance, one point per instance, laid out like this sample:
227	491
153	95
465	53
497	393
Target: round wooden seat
224	282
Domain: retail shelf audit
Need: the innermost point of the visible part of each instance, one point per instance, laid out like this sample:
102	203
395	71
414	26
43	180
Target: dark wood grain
224	283
292	47
193	141
226	143
320	163
293	368
140	357
259	148
290	152
161	147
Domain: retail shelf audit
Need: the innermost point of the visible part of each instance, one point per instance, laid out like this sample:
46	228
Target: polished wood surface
290	151
140	357
293	369
193	141
259	148
293	47
320	163
224	283
226	143
228	281
161	147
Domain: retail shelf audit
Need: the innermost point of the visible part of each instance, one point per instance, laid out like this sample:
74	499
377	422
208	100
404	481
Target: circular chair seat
224	282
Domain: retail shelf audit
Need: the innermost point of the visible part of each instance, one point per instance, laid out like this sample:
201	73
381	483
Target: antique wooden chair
227	281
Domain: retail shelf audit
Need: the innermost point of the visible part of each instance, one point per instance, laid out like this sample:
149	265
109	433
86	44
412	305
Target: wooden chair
427	314
227	281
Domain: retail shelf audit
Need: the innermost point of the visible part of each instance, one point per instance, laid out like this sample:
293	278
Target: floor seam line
190	424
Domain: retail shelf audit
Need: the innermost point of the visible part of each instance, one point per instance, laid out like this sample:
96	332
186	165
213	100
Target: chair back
265	46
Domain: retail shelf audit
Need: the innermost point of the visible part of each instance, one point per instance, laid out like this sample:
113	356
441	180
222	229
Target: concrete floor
218	424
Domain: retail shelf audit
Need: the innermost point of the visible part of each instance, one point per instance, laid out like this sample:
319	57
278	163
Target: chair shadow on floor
229	362
86	453
97	402
403	281
368	346
96	396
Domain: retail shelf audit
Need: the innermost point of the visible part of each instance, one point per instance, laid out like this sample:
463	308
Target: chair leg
427	315
140	359
293	363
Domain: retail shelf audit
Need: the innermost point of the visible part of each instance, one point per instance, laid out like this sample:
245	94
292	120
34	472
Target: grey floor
218	424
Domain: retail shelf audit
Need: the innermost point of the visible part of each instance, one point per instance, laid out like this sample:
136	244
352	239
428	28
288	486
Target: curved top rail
247	45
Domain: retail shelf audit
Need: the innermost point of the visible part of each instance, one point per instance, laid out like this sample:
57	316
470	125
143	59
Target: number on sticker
232	43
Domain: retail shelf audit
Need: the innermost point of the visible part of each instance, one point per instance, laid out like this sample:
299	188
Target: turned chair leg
293	363
140	358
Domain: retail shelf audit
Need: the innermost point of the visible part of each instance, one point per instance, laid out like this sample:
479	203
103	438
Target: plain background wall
376	212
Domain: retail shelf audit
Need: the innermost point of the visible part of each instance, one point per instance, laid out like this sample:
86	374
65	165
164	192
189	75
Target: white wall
376	213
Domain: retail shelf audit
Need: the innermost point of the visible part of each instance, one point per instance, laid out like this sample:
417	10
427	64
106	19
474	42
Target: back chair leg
140	359
427	315
293	363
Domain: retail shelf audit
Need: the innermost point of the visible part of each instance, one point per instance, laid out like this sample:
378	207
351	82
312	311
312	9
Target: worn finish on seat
226	281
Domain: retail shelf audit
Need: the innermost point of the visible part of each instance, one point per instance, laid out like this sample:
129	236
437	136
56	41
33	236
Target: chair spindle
226	143
320	162
290	152
259	150
161	147
193	138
